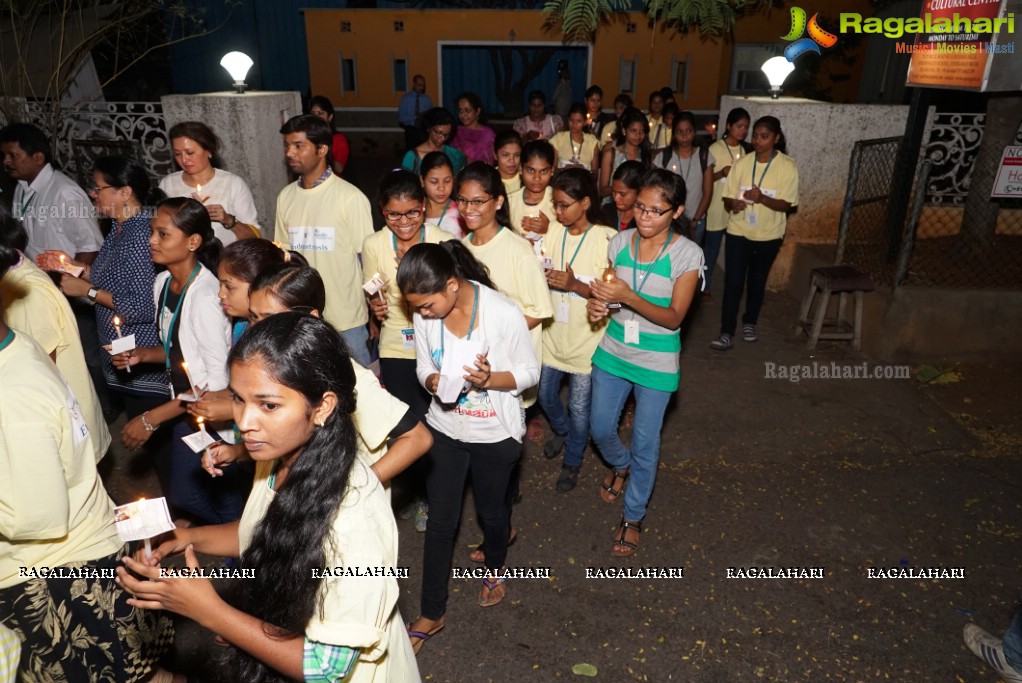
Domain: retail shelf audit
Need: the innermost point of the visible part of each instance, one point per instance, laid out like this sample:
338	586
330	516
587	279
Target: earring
191	248
320	423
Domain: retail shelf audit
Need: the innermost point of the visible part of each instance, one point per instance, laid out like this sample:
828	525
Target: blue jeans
573	423
711	250
698	230
641	459
1013	643
356	339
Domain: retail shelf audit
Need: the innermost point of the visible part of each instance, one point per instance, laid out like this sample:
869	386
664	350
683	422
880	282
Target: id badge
561	313
631	332
750	216
408	336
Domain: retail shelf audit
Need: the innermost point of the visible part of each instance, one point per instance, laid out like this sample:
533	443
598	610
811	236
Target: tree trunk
1004	114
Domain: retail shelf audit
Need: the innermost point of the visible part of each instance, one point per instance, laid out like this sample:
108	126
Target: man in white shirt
326	219
56	213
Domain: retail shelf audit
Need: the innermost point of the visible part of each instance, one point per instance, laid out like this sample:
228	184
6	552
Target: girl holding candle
481	433
532	209
225	195
120	280
314	504
723	153
55	513
631	143
655	276
761	188
579	252
508	149
438	182
195	338
576	147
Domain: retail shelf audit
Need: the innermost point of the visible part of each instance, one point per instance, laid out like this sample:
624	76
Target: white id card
750	216
561	313
408	337
631	332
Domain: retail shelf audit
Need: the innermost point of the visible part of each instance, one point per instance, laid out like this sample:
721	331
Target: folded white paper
142	519
122	345
452	373
199	441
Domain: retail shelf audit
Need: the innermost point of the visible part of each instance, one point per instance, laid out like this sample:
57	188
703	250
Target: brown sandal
608	494
621	547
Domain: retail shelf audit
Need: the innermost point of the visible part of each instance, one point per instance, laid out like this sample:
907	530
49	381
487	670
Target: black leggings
747	266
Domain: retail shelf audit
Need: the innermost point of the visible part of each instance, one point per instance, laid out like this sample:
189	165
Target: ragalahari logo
817	36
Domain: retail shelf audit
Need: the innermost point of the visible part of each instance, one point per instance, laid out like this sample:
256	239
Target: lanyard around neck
649	269
471	323
168	340
754	183
564	251
8	338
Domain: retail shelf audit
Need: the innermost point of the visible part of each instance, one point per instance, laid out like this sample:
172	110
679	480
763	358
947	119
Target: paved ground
843	474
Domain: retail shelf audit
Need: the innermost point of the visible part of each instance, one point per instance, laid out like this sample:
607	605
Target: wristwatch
93	293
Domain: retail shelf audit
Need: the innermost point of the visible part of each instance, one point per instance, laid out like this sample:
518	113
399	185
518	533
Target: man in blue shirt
413	103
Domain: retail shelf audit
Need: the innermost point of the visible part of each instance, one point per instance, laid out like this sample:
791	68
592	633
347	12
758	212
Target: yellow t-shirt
357	611
659	134
512	185
397	337
518	274
518	209
567	149
723	155
377	412
327	224
780	181
608	133
53	507
569	340
32	304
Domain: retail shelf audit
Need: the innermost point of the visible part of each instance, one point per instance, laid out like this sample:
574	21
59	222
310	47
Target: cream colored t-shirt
723	155
397	337
517	273
53	507
780	181
518	209
567	149
569	340
32	304
512	185
357	611
377	412
327	224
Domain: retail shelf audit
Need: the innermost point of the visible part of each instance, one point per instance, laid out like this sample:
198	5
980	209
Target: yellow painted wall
374	43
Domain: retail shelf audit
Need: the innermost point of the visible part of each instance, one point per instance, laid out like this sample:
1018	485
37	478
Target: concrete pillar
248	125
820	137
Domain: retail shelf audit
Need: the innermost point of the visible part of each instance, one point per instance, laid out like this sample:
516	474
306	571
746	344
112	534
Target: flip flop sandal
608	494
629	547
478	553
490	585
423	636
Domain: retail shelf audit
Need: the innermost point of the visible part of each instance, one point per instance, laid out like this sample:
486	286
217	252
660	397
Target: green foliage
579	19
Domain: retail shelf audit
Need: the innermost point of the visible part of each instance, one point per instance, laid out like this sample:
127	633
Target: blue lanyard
730	153
471	323
7	339
564	251
645	276
422	237
173	318
764	170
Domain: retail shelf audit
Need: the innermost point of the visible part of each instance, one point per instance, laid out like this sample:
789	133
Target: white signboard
1009	176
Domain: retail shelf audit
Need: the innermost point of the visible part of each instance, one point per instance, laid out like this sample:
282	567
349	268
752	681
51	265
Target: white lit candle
117	325
184	366
202	422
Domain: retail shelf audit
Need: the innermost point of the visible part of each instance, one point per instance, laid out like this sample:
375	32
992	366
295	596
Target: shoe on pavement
749	333
991	651
724	343
567	480
421	516
553	447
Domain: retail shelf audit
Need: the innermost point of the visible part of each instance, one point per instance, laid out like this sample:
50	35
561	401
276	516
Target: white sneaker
991	651
724	343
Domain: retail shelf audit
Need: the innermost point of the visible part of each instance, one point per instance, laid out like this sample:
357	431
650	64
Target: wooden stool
827	281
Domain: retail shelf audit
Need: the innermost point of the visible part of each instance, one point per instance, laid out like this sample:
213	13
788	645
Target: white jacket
504	327
203	329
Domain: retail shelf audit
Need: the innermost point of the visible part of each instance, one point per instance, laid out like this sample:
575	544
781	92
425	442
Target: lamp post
776	70
237	65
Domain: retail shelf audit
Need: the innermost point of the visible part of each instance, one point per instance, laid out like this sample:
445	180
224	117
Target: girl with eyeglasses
653	278
438	129
579	255
480	433
761	189
532	208
437	173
